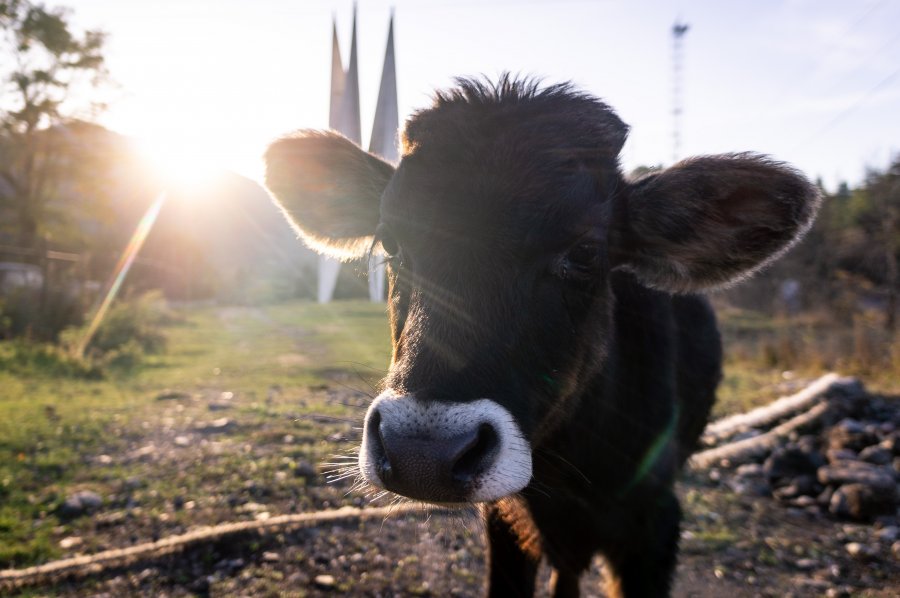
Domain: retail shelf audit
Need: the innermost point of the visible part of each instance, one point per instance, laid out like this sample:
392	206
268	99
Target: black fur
517	254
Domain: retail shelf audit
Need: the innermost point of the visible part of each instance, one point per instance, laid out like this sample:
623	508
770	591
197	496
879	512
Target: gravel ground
734	542
732	545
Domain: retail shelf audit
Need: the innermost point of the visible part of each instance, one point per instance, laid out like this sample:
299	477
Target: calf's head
500	226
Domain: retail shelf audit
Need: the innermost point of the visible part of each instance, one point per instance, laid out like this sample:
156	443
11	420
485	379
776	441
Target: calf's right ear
710	221
328	189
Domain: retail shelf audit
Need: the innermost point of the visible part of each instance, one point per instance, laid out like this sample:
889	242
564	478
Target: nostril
376	446
477	455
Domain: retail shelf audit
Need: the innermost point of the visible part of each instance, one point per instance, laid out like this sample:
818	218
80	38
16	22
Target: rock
70	542
808	443
862	502
271	557
142	452
132	483
750	470
216	426
80	503
860	551
806	564
804	501
836	455
749	486
850	434
201	585
305	470
892	443
888	534
857	472
749	479
785	464
173	395
182	440
231	564
325	582
824	499
805	485
222	402
876	455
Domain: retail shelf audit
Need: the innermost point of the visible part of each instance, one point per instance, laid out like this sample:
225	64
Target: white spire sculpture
384	143
344	117
384	140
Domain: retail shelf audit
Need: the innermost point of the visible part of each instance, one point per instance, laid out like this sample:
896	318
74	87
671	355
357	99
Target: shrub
38	315
134	323
124	357
31	358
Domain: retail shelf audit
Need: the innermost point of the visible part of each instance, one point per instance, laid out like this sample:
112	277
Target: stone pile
845	463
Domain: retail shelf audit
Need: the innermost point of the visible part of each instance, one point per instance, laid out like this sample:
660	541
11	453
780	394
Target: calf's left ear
709	221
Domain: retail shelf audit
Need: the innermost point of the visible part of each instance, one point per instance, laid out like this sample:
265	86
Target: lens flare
122	267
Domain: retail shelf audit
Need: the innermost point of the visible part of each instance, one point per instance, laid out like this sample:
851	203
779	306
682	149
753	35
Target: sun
186	165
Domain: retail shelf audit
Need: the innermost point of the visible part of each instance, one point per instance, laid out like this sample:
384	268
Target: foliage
50	65
847	264
131	329
38	314
27	358
766	355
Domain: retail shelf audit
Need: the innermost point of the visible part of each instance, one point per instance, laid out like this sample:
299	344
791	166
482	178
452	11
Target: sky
206	84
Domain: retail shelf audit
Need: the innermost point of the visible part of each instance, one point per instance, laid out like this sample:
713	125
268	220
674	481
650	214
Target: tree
50	65
883	226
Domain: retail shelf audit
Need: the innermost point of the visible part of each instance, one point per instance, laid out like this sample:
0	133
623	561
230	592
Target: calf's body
550	361
603	482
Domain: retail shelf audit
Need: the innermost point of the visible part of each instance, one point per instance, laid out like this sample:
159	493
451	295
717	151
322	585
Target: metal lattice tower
678	31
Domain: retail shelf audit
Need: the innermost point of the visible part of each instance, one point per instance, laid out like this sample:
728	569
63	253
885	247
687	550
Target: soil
732	544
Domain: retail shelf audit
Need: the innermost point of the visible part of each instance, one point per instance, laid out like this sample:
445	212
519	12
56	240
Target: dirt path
732	545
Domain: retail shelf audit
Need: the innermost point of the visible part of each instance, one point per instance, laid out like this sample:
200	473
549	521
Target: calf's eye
585	256
580	261
388	242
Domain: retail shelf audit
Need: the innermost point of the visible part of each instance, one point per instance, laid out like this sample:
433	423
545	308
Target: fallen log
93	564
765	416
757	446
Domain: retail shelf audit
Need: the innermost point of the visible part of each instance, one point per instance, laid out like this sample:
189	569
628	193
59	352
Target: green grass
54	420
283	363
763	355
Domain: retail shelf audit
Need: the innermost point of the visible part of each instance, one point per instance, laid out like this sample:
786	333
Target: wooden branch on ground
750	448
767	415
93	564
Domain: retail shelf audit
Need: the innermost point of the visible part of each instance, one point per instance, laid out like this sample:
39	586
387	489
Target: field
236	420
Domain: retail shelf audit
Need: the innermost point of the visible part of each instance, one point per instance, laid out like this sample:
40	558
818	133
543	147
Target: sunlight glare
185	165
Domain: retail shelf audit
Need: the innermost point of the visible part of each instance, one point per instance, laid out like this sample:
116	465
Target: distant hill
228	241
